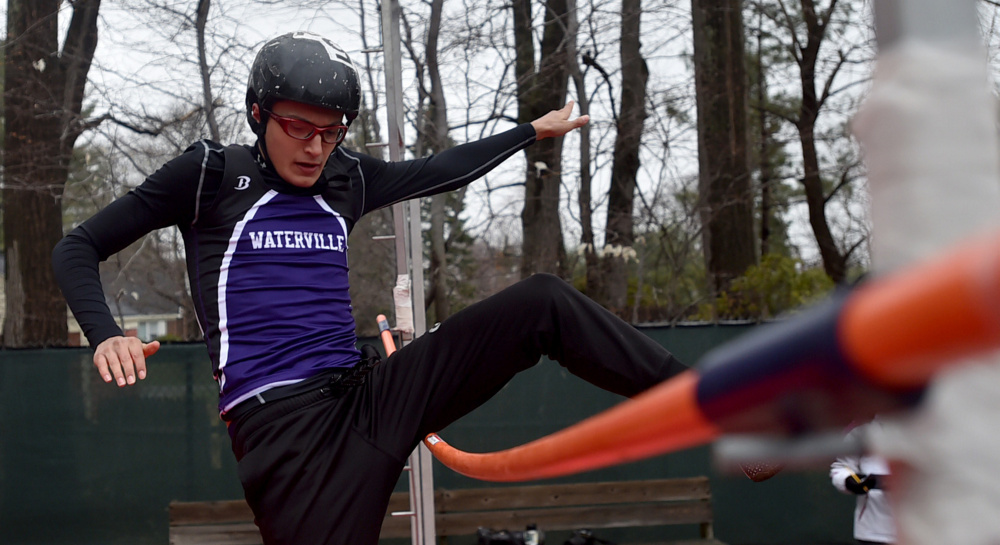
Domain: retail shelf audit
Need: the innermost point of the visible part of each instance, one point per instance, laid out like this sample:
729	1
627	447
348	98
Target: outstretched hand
557	122
123	359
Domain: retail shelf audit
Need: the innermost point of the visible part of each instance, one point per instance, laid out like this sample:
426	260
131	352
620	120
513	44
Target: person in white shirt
866	476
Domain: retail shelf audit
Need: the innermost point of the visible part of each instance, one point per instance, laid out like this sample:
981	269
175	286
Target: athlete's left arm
387	183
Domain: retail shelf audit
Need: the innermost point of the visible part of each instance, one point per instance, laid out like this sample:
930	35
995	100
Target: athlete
319	431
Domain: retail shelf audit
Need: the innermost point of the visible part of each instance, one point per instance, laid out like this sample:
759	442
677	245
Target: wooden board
656	502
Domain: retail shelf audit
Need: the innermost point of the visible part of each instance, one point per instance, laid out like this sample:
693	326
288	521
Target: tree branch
589	60
155	130
796	45
75	60
824	19
845	180
773	110
842	58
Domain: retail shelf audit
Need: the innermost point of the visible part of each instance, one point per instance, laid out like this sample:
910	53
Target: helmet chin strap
264	157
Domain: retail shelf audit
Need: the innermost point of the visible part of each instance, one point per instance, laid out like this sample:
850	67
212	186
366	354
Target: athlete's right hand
123	358
557	122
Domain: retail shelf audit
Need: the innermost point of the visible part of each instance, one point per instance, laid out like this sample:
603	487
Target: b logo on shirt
242	182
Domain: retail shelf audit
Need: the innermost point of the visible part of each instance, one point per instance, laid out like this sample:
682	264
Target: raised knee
545	284
544	289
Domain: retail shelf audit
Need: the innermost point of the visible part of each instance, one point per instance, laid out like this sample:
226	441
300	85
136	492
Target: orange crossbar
664	418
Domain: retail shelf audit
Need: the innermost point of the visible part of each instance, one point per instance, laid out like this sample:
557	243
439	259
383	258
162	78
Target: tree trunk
541	89
621	196
43	94
438	292
435	133
834	261
723	181
766	174
206	81
592	269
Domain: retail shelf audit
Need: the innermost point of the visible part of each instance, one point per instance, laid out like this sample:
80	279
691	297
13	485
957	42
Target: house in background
139	311
148	326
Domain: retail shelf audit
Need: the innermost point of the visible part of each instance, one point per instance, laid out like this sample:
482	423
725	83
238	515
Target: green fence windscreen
84	462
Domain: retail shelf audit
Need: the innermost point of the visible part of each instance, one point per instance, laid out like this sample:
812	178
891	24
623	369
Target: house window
150	330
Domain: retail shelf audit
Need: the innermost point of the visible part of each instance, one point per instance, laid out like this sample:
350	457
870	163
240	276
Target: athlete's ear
255	111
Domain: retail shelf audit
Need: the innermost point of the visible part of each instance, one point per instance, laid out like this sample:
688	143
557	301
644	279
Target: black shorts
320	467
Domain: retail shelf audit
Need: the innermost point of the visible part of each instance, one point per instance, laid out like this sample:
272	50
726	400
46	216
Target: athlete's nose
314	145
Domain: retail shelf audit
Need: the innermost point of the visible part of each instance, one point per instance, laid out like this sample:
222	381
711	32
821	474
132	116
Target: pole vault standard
408	294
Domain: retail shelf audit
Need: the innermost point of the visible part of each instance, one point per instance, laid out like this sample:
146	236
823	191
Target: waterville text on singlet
296	240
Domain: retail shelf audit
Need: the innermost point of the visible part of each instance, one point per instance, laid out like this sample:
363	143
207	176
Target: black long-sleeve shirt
267	261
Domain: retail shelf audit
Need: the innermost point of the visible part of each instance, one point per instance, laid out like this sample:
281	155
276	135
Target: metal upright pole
409	268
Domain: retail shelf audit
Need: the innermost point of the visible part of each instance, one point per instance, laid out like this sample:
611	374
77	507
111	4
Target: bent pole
631	431
871	350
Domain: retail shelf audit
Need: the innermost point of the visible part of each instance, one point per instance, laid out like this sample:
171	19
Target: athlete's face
300	162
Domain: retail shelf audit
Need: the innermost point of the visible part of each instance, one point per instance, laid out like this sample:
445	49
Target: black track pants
320	468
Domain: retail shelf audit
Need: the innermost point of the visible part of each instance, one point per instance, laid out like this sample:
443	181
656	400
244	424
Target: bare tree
765	168
807	27
724	178
629	122
436	132
541	87
592	263
432	137
208	102
43	95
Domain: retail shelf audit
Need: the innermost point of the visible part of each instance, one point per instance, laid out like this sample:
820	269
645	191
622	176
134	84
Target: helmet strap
261	117
262	156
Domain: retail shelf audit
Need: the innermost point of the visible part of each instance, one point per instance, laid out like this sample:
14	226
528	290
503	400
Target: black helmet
306	68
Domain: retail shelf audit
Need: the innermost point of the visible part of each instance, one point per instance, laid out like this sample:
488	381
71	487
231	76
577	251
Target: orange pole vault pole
385	333
627	432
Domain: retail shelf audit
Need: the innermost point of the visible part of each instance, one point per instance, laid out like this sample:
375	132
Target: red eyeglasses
304	130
